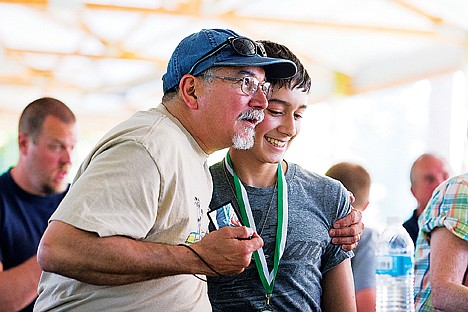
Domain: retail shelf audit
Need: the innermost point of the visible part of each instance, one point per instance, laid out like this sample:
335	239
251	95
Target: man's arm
18	285
347	231
448	266
365	300
338	289
118	260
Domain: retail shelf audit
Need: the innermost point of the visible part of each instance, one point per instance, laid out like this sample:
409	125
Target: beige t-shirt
146	179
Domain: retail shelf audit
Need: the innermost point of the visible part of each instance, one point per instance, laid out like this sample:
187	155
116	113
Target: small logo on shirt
196	236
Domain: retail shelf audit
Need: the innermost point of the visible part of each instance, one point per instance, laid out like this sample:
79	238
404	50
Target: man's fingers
349	247
356	215
351	197
233	254
352	218
346	240
352	230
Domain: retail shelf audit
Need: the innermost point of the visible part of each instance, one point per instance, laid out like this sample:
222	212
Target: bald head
427	172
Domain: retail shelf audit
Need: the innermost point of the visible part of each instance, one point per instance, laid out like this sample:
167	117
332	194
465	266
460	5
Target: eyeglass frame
260	85
230	40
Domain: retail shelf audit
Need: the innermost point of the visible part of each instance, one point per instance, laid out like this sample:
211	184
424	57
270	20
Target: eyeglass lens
250	87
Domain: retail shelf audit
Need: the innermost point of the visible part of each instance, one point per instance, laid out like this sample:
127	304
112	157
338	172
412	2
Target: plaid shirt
447	208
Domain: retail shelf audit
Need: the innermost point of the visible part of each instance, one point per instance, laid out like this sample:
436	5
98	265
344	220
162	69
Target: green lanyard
267	278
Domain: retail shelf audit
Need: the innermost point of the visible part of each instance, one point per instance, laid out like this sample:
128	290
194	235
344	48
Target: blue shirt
412	227
23	220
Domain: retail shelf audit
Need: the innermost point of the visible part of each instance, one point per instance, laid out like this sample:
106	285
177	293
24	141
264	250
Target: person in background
357	180
298	268
441	255
132	230
29	193
427	172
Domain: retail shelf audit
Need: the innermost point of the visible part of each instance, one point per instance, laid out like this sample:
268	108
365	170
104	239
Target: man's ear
23	140
188	90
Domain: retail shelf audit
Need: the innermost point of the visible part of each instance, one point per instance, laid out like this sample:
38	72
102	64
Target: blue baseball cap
199	46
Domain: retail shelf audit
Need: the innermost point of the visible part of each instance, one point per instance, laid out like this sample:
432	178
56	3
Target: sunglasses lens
244	46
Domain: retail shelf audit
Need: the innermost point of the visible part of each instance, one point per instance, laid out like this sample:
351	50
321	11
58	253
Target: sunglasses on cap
242	45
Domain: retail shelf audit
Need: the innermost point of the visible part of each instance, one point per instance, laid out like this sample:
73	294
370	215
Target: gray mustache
254	115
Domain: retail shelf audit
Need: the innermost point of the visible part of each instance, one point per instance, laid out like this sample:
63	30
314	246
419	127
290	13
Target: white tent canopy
109	56
105	59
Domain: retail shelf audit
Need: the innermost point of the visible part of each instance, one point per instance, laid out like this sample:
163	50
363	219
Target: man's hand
347	231
229	249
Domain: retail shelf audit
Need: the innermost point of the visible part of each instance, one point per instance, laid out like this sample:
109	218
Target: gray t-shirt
315	203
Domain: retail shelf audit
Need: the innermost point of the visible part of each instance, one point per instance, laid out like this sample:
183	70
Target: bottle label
394	265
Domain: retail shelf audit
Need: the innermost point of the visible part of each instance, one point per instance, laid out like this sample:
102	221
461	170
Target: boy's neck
253	172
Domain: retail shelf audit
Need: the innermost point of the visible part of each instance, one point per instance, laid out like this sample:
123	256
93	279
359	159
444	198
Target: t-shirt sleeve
447	208
116	195
334	254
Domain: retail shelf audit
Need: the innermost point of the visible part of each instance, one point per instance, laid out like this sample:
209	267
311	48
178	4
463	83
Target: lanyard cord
266	277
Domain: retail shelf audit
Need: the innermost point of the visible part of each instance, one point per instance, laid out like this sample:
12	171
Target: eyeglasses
242	45
249	85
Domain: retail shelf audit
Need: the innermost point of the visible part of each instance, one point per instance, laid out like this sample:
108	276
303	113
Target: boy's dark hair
300	80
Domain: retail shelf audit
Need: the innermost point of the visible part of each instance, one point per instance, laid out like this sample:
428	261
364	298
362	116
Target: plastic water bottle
395	269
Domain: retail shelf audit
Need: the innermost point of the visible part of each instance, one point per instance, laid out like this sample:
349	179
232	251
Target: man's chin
244	140
242	143
54	189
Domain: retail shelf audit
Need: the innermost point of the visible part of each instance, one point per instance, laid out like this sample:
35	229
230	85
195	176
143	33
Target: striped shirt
447	208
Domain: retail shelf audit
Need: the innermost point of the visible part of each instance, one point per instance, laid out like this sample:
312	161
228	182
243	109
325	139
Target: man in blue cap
131	234
115	241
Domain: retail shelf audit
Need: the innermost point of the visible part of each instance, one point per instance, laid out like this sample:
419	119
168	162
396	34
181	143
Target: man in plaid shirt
441	256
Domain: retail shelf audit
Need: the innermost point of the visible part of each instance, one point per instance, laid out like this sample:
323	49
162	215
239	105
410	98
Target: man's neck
192	124
20	177
420	209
